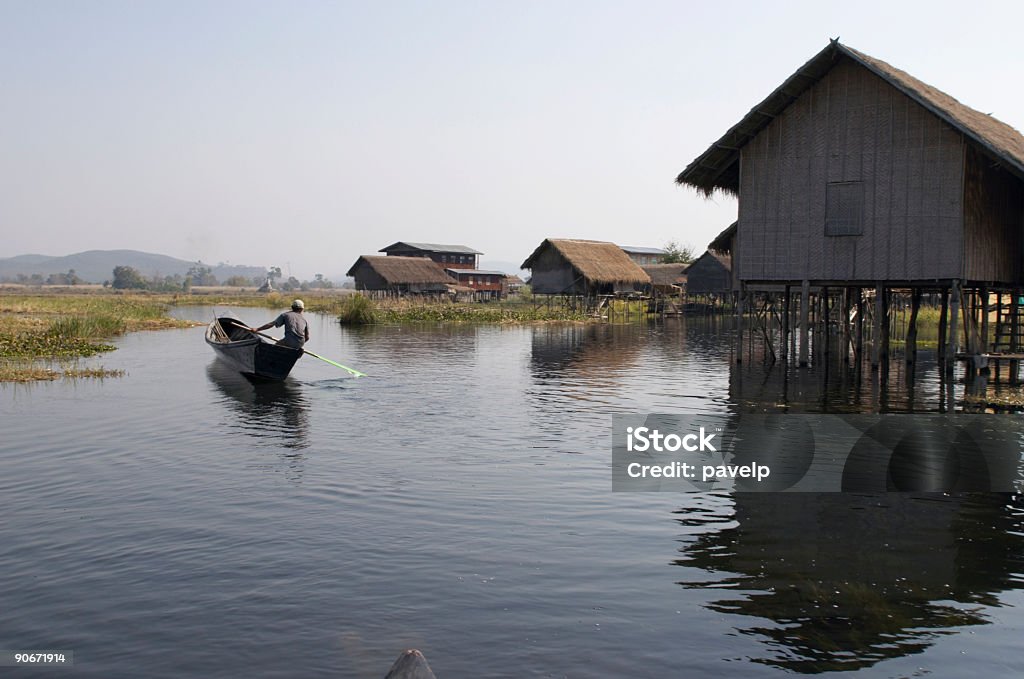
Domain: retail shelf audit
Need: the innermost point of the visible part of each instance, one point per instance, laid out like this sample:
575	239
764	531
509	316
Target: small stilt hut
585	268
400	275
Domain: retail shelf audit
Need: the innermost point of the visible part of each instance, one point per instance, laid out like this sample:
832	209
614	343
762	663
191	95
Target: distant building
644	255
486	284
562	266
448	256
514	283
399	275
666	279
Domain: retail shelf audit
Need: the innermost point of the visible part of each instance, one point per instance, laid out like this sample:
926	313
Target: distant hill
96	266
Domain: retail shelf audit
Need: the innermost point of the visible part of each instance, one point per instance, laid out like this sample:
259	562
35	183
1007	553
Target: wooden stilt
845	321
785	326
859	330
824	321
1014	332
886	329
805	303
985	346
876	330
954	315
739	323
915	306
943	323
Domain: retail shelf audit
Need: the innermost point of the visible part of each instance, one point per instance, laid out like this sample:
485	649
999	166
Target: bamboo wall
852	126
993	220
553	275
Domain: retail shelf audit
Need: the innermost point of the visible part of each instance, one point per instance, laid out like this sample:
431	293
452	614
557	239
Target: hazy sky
304	134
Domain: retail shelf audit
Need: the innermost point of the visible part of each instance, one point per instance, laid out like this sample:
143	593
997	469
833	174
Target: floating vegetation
357	310
409	311
69	326
32	371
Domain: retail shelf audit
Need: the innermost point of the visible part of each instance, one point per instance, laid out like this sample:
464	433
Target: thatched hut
855	171
666	279
399	275
562	266
858	176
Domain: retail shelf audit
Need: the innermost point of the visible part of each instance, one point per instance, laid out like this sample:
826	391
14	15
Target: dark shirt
294	328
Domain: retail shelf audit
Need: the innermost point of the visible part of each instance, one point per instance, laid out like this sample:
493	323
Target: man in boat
296	329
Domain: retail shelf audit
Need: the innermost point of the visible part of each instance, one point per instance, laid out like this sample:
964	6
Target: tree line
129	278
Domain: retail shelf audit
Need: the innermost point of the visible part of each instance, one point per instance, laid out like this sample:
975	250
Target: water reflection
833	385
585	350
265	413
841	582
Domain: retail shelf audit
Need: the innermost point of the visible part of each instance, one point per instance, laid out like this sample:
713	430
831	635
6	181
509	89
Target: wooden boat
247	353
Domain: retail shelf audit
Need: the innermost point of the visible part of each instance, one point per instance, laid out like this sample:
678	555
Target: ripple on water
459	499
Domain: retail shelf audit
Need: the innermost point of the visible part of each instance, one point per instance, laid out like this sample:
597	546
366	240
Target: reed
357	310
421	311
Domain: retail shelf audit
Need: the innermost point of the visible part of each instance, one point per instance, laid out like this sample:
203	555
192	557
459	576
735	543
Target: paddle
307	351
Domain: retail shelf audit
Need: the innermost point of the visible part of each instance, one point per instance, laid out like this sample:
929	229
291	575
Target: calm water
180	521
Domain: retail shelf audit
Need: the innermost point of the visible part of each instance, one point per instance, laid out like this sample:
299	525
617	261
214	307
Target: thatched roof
666	274
718	166
712	257
597	261
403	270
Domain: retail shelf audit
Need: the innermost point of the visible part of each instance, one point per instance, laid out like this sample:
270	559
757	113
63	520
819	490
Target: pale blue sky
308	133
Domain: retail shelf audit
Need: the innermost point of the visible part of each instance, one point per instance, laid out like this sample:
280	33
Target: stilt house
400	275
853	172
587	268
856	175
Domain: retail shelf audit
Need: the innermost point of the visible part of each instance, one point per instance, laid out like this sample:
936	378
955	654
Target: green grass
424	311
68	326
357	310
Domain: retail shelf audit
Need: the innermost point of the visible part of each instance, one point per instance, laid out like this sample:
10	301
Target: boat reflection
269	412
842	581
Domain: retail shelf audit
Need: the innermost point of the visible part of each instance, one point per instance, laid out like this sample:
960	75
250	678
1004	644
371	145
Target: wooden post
1014	333
805	302
824	320
943	322
846	324
985	346
876	330
739	323
915	306
785	326
954	315
859	330
885	330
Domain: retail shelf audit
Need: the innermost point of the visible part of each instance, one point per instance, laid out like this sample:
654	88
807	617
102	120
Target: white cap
297	304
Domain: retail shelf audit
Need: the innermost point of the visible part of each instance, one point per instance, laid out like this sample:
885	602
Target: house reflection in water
843	581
